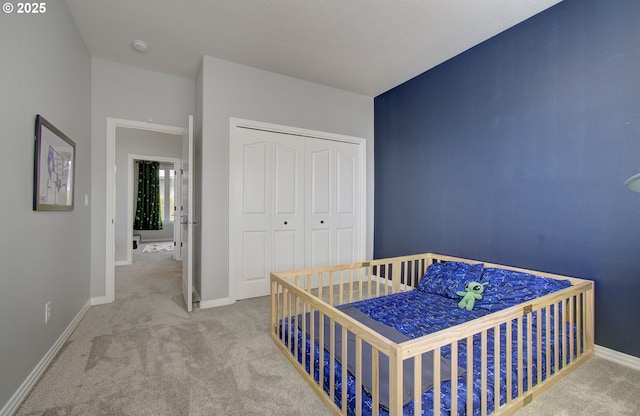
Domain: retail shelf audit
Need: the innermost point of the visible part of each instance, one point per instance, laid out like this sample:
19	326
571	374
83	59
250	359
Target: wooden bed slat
539	346
332	359
320	354
417	385
556	330
454	376
572	322
529	345
345	407
509	361
496	364
312	335
305	310
395	384
436	380
519	353
469	375
358	376
483	372
375	362
549	357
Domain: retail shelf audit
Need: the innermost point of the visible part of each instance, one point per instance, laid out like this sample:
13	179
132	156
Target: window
167	192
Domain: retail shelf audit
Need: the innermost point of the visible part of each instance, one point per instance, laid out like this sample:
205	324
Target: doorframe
131	159
314	134
110	214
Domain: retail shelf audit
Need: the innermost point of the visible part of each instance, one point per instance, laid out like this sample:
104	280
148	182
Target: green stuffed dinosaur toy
472	292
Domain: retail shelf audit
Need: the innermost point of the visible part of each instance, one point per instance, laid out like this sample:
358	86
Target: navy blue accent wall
516	152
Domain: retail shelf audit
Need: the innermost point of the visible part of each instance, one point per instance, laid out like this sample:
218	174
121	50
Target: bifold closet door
332	202
267	232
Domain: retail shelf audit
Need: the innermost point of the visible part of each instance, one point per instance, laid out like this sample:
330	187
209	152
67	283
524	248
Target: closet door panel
287	175
319	206
346	183
347	214
321	247
256	217
346	245
287	223
255	254
333	200
254	166
250	238
285	251
320	181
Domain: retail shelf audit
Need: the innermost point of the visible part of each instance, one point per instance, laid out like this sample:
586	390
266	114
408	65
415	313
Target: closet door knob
321	221
285	223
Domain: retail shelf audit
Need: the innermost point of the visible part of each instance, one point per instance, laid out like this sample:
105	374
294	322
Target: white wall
142	143
232	90
130	93
45	256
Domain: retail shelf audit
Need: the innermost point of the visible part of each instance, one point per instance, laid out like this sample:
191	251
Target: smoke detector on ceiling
140	46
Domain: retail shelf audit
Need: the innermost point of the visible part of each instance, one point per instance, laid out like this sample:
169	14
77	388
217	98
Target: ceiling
363	46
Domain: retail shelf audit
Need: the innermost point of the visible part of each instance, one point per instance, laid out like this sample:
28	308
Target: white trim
278	128
99	300
205	304
23	391
131	158
110	215
617	357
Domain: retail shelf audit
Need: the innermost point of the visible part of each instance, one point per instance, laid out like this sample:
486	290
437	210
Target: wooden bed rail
553	334
289	306
575	346
356	281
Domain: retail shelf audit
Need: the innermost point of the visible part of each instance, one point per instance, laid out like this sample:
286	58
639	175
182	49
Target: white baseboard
100	300
617	357
23	391
204	304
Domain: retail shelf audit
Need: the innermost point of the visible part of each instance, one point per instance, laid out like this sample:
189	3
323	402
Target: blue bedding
338	341
429	309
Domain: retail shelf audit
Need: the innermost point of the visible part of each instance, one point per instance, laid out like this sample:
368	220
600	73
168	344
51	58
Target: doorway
170	179
117	128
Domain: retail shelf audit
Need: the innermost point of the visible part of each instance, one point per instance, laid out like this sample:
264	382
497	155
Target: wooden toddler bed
395	326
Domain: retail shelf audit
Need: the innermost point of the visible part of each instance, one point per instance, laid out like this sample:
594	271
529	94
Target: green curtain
148	206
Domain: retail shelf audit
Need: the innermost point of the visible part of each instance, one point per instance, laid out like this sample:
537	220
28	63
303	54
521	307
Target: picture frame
54	168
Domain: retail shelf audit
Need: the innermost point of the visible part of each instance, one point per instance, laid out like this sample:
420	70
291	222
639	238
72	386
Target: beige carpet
597	388
144	355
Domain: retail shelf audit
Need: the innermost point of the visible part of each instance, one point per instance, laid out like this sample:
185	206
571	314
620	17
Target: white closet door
267	231
288	204
332	189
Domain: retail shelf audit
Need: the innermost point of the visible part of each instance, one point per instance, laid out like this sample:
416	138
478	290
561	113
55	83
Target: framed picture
54	168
